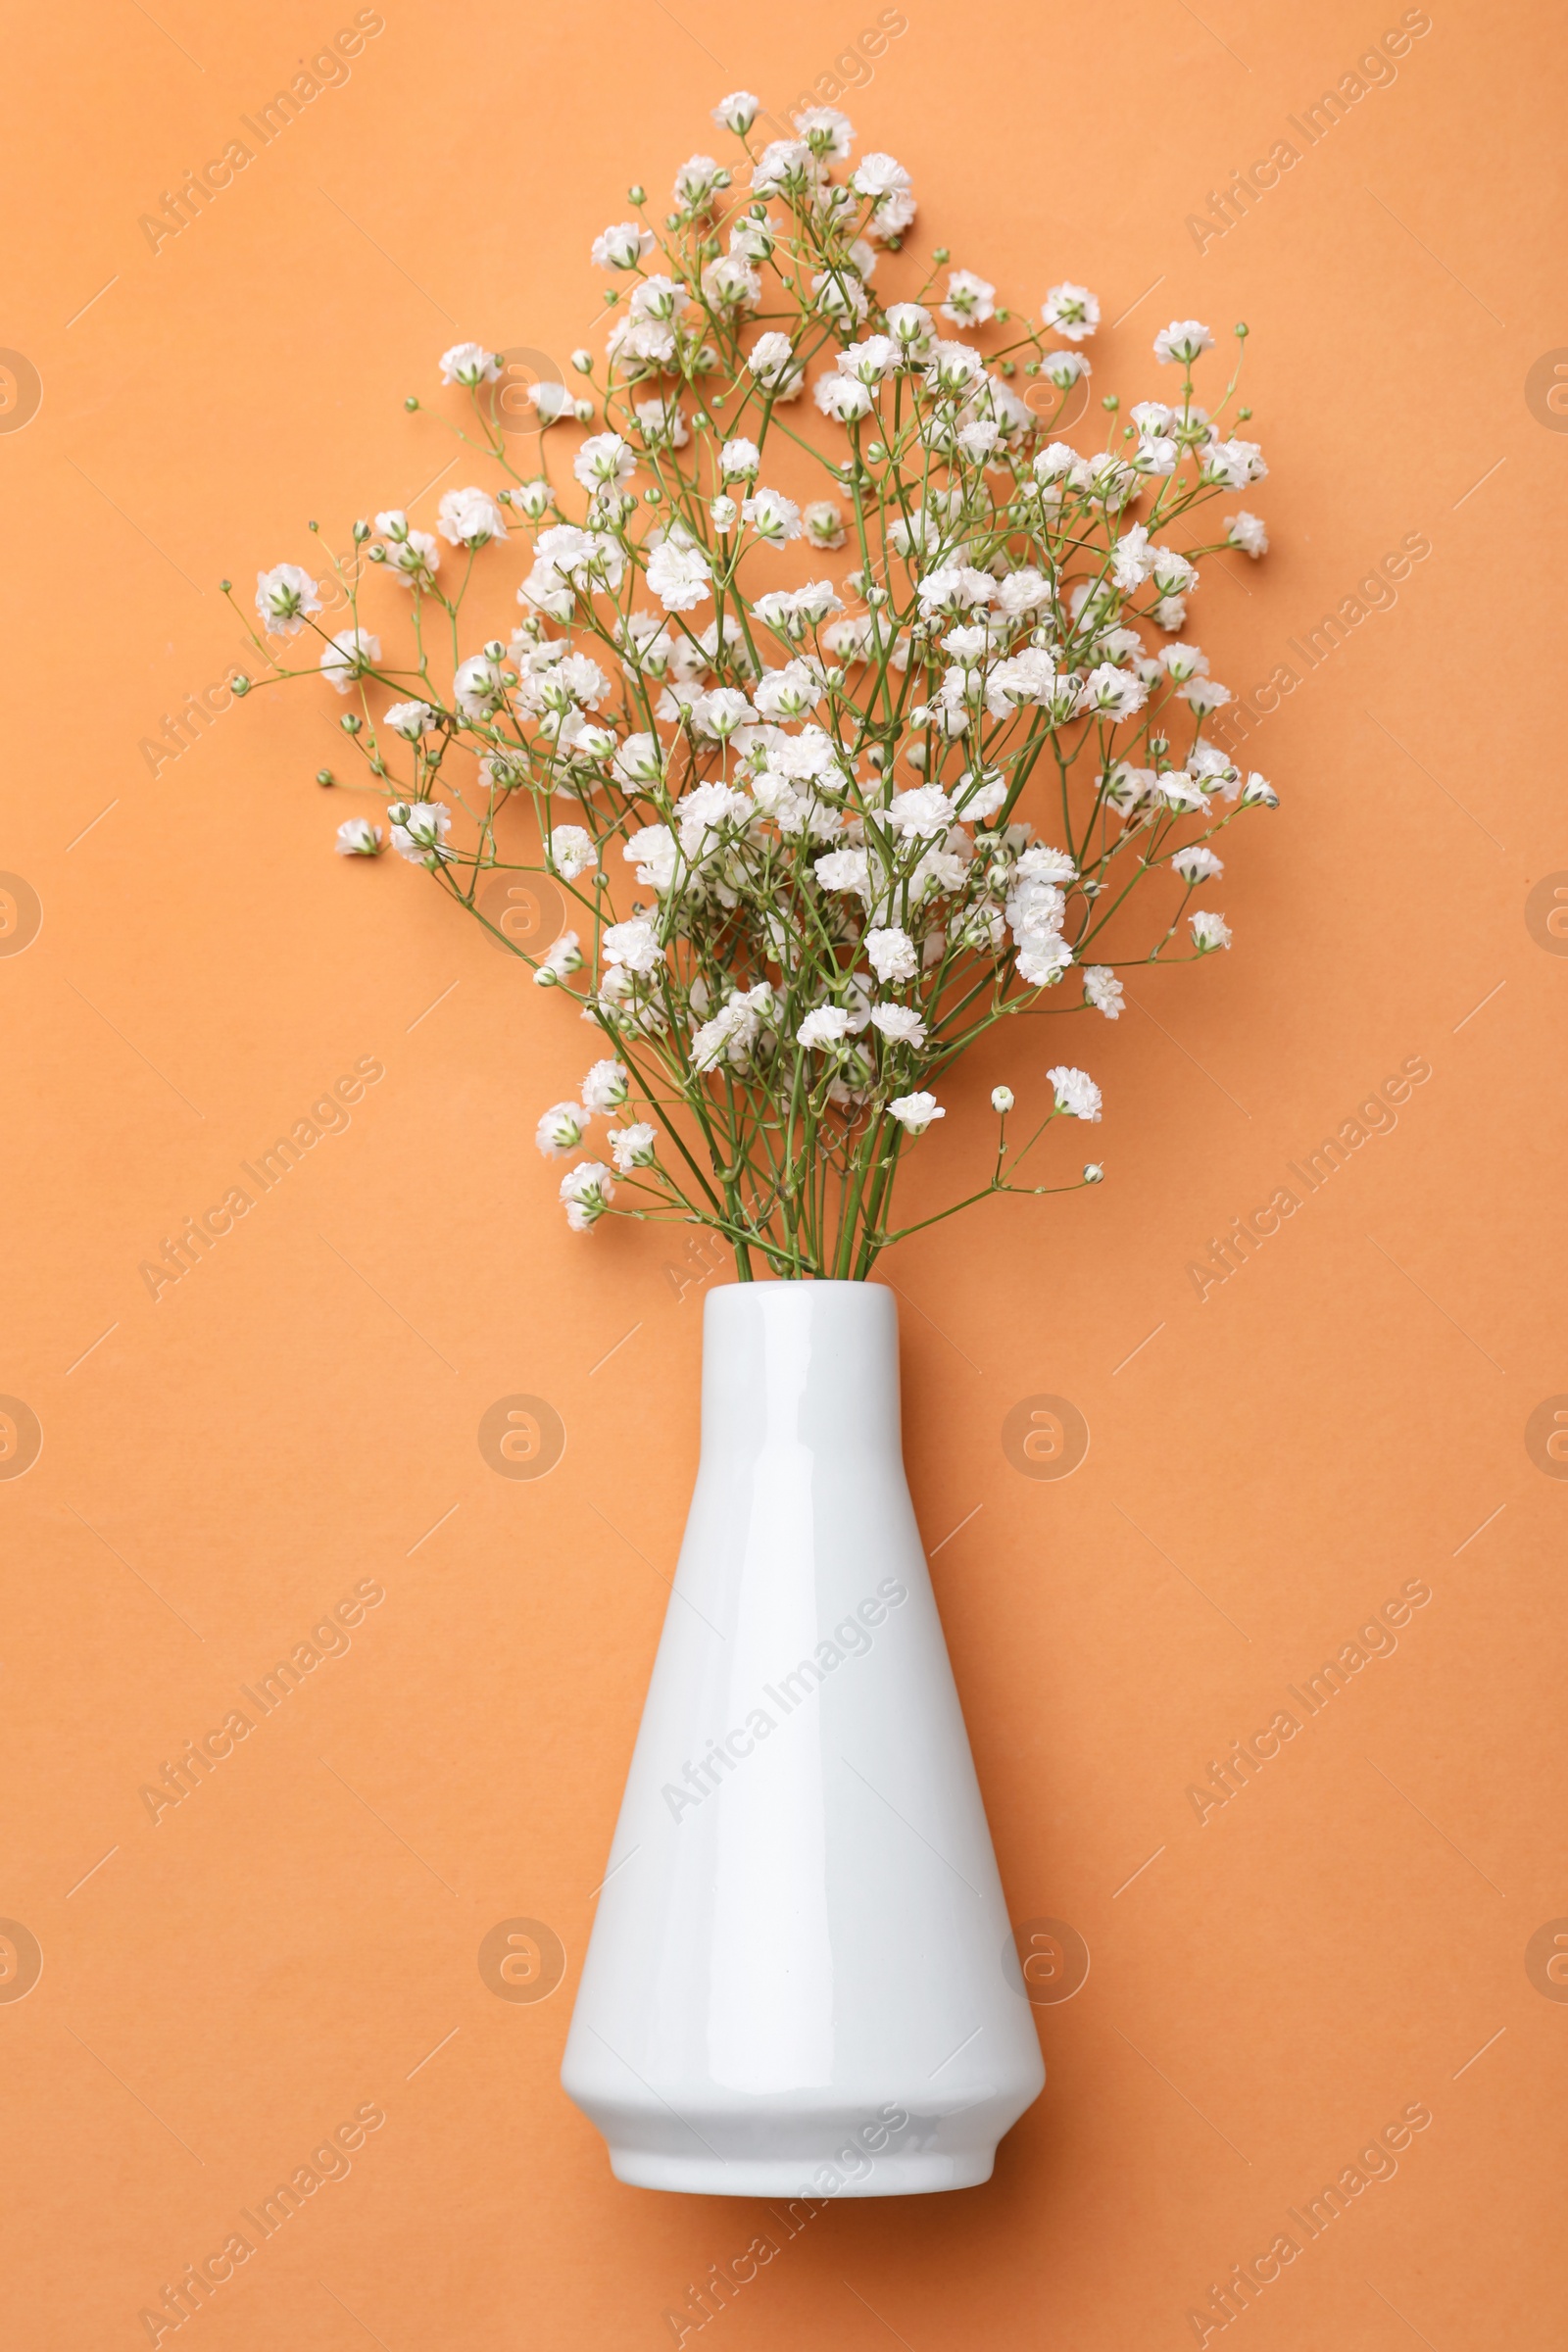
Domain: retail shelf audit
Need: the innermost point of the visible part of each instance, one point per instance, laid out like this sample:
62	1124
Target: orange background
299	1937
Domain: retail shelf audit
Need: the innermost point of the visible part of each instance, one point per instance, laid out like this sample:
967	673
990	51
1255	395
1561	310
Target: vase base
916	2175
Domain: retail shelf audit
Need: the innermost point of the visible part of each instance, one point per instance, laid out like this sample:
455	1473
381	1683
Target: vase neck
800	1364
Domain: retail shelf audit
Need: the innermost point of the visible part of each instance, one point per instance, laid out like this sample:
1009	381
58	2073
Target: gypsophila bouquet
849	704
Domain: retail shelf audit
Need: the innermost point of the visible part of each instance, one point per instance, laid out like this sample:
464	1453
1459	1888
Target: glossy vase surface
800	1979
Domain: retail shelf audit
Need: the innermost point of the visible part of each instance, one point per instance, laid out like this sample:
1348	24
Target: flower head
1210	931
1076	1093
348	655
419	829
679	575
1071	310
623	246
285	598
587	1191
356	837
737	113
632	1148
606	1086
469	519
915	1112
1184	339
570	851
560	1130
469	364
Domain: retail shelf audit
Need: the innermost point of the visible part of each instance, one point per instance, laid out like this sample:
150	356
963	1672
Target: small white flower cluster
820	835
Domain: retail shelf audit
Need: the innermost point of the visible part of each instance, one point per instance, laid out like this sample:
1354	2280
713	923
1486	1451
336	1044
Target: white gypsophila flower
552	401
621	247
738	461
412	557
1259	793
1132	559
772	358
1063	368
571	851
1210	931
679	575
978	439
731	284
356	837
787	693
640	759
784	165
698	182
1042	961
560	1130
632	1148
980	796
1173	576
842	398
872	360
604	462
285	598
1114	694
915	1112
737	113
419	829
1183	662
1042	864
477	686
733	1032
469	364
1076	1093
1179	791
720	711
606	1086
1002	1100
1102	990
886	182
773	516
586	1191
1071	310
910	326
954	368
1232	464
633	945
655	854
1198	863
825	131
1184	339
1203	695
822	521
956	588
410	720
348	655
925	810
891	955
723	513
828	1025
899	1024
663	423
1246	531
469	519
559	961
970	300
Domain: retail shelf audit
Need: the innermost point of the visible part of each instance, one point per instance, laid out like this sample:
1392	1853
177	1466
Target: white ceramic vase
800	1979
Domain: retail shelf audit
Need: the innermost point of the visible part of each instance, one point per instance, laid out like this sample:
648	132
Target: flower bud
1094	1173
1002	1100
